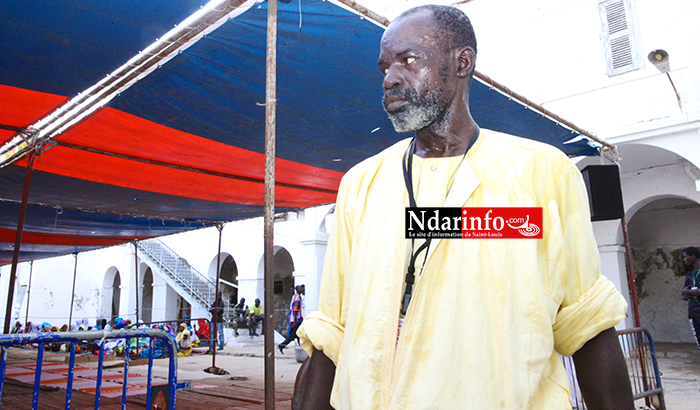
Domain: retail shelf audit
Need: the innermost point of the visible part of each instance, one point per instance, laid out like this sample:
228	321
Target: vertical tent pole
635	303
18	239
136	277
29	291
214	341
630	272
269	208
72	295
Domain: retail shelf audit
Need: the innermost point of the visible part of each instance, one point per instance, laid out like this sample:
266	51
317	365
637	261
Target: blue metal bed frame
100	336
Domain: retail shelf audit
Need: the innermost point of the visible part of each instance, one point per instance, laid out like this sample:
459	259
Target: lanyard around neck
407	164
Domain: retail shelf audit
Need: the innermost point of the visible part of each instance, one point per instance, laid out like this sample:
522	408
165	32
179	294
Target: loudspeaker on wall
604	192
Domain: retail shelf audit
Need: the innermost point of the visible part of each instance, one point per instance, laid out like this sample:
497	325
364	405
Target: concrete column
314	255
612	265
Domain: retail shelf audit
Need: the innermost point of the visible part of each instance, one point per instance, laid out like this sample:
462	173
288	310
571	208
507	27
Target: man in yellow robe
483	323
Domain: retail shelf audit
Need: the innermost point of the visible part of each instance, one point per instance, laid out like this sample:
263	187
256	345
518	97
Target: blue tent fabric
147	164
64	47
327	74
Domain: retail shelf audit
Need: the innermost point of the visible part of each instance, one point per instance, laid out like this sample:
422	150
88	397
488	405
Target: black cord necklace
408	180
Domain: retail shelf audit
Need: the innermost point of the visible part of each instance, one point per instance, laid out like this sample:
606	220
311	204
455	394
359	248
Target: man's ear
466	59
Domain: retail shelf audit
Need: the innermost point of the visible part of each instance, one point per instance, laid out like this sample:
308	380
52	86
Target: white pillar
314	255
612	265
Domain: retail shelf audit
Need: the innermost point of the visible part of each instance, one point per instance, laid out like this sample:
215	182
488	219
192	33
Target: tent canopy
182	147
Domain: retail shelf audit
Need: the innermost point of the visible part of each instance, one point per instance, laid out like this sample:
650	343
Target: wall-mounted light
661	61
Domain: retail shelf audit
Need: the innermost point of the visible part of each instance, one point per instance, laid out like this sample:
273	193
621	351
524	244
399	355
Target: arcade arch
284	286
111	294
228	276
659	229
147	296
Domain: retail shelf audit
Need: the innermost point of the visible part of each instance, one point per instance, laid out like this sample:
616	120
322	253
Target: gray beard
417	113
414	117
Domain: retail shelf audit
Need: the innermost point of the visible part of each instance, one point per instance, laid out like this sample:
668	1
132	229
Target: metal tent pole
269	208
18	239
635	302
630	272
29	291
72	295
215	339
136	278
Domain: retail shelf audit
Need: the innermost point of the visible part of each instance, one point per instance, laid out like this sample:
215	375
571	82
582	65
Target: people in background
240	319
17	328
217	312
691	289
119	323
184	342
255	316
203	332
295	317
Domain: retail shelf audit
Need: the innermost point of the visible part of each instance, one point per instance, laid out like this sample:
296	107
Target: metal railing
640	356
177	268
638	348
575	392
73	338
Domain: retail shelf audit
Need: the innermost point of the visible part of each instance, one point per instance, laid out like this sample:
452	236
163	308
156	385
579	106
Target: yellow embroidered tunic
487	316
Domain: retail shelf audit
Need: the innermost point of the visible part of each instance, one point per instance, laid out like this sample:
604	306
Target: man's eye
409	60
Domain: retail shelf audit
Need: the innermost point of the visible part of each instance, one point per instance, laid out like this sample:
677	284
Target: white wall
52	281
244	241
551	51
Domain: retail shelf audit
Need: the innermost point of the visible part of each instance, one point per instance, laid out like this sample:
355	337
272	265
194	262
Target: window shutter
620	36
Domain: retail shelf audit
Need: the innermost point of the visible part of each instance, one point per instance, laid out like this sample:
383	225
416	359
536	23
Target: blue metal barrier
640	356
99	336
638	348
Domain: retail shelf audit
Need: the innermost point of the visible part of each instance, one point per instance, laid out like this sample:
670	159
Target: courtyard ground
243	387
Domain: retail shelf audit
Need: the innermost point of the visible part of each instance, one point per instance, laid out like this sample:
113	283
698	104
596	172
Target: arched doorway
111	294
147	296
228	276
229	279
658	233
284	289
116	295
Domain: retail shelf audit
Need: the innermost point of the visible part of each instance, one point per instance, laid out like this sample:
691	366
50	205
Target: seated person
119	323
17	328
184	342
240	318
203	332
255	316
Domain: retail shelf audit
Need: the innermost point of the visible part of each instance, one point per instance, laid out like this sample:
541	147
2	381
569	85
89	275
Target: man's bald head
452	24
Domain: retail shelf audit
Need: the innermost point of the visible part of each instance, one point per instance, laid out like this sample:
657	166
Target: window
620	36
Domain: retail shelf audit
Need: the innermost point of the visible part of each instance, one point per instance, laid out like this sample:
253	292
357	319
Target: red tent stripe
147	177
39	238
20	107
118	132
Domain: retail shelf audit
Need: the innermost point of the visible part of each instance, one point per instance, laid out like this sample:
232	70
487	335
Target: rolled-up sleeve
588	302
600	308
320	332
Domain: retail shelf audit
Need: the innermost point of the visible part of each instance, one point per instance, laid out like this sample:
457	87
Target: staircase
194	287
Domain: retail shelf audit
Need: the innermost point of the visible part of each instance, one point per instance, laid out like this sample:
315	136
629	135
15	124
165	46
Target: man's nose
392	79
